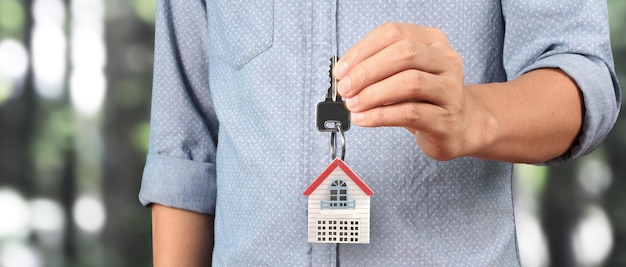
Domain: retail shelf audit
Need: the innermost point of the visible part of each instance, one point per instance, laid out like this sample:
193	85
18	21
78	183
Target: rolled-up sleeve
180	166
572	36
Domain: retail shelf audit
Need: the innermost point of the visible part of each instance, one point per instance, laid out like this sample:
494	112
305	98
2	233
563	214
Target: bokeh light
47	215
49	47
533	247
594	176
88	14
15	220
48	221
6	89
13	67
88	57
145	9
88	214
13	59
49	12
87	91
19	254
88	49
593	237
532	241
11	15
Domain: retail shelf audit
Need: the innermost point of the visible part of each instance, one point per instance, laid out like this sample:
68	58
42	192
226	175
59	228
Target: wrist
483	127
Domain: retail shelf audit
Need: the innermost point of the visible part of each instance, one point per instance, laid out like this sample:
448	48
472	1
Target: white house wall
361	211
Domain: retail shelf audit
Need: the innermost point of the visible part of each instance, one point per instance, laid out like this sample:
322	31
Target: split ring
333	143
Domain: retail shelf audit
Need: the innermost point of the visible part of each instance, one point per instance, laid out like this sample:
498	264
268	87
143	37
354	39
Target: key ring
333	143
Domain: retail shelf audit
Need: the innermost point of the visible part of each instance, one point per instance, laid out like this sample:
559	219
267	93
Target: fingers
409	85
403	75
417	114
430	124
399	62
399	56
382	37
385	35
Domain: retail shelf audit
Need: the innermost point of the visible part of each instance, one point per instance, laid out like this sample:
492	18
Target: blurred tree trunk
615	196
17	117
615	146
561	209
67	198
128	236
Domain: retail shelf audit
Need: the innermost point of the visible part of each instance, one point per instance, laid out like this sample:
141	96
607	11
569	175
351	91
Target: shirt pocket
240	30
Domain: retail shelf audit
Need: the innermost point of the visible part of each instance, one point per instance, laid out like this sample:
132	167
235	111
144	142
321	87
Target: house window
338	196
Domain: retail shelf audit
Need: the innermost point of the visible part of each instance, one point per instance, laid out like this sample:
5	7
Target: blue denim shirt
233	129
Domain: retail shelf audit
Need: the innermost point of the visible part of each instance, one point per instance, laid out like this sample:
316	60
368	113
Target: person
444	96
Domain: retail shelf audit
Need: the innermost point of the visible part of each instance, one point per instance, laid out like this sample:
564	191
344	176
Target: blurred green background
75	79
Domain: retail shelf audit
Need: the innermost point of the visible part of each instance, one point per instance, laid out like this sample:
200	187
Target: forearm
181	237
535	117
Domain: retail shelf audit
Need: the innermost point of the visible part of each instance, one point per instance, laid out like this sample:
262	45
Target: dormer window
338	196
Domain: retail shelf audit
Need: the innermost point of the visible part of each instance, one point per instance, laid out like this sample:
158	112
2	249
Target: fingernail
344	86
352	102
341	69
358	117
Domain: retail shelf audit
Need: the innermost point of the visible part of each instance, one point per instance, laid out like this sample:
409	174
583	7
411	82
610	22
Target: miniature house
339	206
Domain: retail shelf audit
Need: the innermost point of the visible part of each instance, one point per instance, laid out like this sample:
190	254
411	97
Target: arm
409	76
179	177
181	237
537	116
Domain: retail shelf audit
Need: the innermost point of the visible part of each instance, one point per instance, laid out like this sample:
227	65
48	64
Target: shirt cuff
179	183
601	104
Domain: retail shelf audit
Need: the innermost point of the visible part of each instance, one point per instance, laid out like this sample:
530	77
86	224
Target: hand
409	76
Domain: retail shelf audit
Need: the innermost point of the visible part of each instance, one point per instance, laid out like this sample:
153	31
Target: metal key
332	112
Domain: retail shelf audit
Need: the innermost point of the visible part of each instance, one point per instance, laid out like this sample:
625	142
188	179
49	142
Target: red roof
333	165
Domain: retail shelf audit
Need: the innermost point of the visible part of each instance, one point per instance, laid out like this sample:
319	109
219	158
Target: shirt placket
323	45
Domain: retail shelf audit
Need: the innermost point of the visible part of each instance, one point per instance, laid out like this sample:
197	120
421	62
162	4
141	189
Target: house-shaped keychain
339	206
